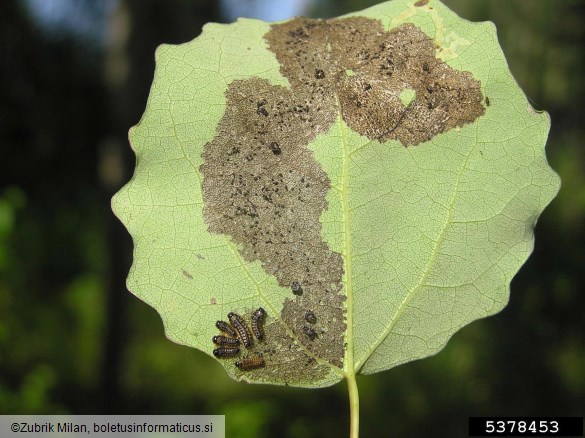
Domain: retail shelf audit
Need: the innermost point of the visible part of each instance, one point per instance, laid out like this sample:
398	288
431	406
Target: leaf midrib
347	257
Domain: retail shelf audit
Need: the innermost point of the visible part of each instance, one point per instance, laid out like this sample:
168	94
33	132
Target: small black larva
240	326
226	351
319	74
226	328
296	288
257	322
250	363
310	317
275	148
311	333
224	340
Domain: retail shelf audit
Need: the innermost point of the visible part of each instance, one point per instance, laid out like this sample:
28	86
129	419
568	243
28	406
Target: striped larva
225	340
226	328
250	363
257	323
226	351
240	326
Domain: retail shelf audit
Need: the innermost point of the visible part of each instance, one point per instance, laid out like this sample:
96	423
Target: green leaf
371	181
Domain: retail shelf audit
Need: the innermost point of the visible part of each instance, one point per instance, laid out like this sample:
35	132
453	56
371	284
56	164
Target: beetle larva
275	148
226	328
226	351
296	288
310	317
311	333
250	363
240	326
225	340
257	322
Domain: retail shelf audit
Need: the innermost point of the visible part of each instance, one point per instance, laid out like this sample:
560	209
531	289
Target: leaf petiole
354	406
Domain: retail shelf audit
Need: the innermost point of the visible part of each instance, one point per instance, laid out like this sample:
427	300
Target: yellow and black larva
240	326
225	340
250	363
226	352
226	328
257	322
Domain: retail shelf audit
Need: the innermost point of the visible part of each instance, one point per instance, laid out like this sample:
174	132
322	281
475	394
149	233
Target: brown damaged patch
263	187
367	68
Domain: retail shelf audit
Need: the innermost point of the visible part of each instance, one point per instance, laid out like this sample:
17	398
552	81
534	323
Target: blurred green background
75	76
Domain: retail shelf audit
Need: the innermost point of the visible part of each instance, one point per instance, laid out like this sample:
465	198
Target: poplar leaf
372	182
